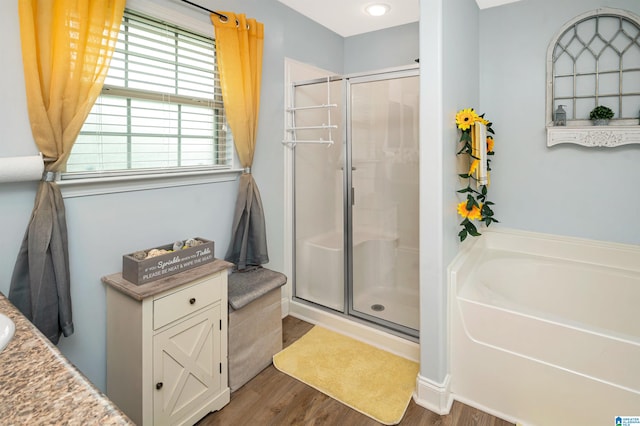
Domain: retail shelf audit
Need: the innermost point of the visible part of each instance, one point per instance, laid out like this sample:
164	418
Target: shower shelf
292	143
293	140
312	107
324	126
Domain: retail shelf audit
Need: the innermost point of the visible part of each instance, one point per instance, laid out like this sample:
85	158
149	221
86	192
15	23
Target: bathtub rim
478	290
457	298
510	308
491	239
564	247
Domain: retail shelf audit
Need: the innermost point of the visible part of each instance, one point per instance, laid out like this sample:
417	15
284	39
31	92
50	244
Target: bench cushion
249	285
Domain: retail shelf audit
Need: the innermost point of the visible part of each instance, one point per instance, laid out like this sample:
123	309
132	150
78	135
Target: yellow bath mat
370	380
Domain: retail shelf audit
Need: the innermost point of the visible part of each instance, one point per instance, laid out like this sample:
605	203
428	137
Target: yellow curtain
239	44
239	49
67	46
66	50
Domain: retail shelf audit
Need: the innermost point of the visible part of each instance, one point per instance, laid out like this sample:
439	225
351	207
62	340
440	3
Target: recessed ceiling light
377	9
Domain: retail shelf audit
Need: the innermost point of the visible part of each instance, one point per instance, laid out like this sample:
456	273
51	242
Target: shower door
356	197
318	193
382	130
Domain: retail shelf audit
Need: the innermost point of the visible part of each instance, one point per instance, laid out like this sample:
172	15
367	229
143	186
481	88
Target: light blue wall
449	82
566	189
103	227
16	199
461	90
494	60
290	35
393	47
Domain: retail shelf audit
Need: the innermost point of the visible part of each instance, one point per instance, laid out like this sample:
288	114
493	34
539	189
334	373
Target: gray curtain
66	51
40	285
248	246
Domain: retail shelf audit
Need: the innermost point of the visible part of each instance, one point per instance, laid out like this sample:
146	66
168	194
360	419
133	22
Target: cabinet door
186	367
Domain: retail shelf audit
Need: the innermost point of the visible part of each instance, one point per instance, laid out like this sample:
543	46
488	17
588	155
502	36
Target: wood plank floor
273	398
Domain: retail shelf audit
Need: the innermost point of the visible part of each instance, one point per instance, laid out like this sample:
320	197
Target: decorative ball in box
148	265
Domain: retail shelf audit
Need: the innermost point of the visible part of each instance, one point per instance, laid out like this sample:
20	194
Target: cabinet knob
159	385
192	300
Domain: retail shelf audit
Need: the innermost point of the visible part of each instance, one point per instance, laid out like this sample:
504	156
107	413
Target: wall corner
436	397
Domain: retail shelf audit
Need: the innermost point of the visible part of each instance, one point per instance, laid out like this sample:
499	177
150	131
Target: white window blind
160	108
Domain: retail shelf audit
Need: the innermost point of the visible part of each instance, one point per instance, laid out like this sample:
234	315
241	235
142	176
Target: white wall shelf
594	136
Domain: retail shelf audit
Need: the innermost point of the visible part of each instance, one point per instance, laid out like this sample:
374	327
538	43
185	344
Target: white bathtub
546	330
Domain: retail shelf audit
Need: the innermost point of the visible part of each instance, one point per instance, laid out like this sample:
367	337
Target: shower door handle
353	196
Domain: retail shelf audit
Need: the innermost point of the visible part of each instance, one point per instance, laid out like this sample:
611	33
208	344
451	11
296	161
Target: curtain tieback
49	176
247	170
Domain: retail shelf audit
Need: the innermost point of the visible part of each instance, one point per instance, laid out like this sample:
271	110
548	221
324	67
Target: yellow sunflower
482	120
490	143
465	118
472	214
474	166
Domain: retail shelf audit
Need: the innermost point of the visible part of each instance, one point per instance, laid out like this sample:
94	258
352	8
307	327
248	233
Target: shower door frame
349	193
348	199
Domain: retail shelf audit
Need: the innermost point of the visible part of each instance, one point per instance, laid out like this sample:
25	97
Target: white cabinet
167	345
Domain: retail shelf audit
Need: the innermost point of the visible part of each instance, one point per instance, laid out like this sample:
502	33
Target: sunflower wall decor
477	144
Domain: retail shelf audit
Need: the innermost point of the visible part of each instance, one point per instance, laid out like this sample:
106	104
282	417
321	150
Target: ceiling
347	17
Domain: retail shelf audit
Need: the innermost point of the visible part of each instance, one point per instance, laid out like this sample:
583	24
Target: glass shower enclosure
356	173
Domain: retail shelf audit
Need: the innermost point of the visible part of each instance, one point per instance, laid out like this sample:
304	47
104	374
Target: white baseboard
433	396
284	305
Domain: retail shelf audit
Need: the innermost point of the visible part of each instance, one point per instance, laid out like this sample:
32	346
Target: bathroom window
595	60
160	109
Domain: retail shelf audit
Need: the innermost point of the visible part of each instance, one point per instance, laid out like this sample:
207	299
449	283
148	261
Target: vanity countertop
141	292
38	385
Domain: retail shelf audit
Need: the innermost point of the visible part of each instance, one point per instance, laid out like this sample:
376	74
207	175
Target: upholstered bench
255	322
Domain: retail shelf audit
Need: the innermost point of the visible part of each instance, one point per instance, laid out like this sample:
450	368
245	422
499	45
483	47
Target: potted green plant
601	115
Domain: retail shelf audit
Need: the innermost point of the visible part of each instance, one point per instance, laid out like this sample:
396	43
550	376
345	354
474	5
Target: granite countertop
38	385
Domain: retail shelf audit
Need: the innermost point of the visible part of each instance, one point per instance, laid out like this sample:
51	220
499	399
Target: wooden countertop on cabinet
167	345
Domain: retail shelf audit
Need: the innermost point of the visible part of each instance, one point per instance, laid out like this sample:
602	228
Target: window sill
594	136
72	188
